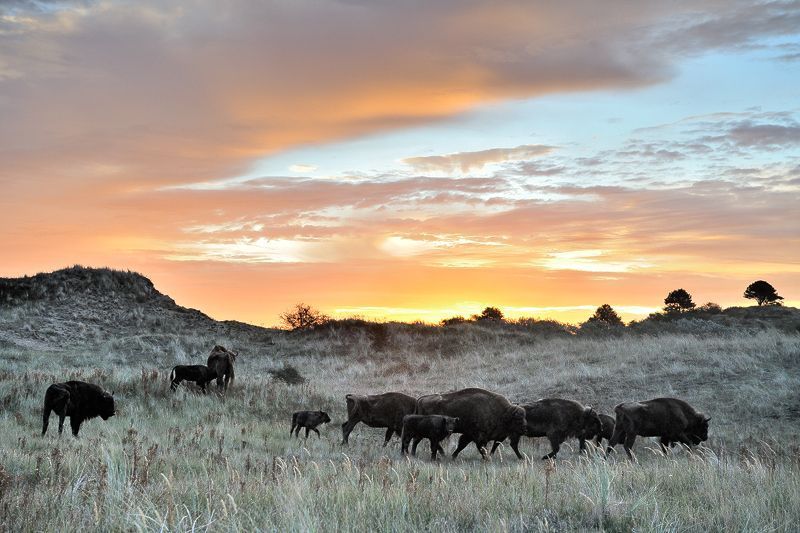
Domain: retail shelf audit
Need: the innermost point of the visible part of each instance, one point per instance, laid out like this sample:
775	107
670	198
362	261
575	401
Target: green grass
184	461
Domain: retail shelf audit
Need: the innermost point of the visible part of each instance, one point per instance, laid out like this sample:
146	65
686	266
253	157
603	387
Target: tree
678	301
303	317
763	293
490	313
606	315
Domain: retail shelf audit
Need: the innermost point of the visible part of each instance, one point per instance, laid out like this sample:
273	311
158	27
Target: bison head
107	409
325	417
592	425
517	423
450	424
699	431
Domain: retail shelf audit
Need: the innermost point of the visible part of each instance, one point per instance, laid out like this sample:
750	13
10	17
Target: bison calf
671	419
309	420
77	400
435	428
200	374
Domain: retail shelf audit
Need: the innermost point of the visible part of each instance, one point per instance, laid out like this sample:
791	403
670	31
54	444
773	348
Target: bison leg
414	445
434	448
482	449
291	431
404	440
463	441
555	444
629	440
388	437
494	446
347	427
174	385
582	445
664	442
315	430
617	437
61	424
75	422
45	420
514	440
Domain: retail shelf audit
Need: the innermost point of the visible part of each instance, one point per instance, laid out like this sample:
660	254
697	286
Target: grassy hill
182	461
106	312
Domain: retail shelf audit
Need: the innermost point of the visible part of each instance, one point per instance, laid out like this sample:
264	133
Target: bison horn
708	419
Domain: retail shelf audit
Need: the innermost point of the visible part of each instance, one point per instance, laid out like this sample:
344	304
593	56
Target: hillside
100	309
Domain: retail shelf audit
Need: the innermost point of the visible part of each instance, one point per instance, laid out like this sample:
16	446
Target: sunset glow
405	161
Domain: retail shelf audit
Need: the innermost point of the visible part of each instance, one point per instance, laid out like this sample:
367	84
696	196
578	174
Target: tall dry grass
184	461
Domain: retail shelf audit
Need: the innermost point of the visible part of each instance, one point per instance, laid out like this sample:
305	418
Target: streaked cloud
468	161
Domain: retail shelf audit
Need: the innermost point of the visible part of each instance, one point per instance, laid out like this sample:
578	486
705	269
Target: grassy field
183	461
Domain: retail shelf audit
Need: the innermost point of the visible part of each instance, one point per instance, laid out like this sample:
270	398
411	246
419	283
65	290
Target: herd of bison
480	416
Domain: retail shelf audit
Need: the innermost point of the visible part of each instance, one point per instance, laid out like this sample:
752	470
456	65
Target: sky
405	160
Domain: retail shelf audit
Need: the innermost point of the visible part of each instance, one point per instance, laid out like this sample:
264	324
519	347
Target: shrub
303	317
490	314
288	374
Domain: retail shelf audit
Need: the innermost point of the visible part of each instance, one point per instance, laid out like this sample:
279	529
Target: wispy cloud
468	161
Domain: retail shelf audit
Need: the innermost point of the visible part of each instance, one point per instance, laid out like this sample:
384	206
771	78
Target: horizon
406	163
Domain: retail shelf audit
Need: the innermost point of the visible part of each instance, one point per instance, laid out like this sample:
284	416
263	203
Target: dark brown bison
606	430
558	420
199	374
309	420
221	362
435	428
378	411
77	400
671	419
483	416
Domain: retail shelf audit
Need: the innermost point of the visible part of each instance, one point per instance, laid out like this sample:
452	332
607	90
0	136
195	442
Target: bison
558	420
221	362
77	400
483	416
435	428
378	411
309	420
671	419
606	429
200	374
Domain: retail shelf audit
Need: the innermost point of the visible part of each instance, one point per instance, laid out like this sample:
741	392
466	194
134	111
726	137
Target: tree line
303	317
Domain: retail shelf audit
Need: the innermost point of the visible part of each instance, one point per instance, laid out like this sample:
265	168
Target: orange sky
401	163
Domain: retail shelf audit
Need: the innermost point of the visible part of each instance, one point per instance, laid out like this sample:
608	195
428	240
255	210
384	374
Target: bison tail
45	419
231	373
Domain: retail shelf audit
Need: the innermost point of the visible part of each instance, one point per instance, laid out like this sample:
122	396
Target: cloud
749	134
302	169
467	161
